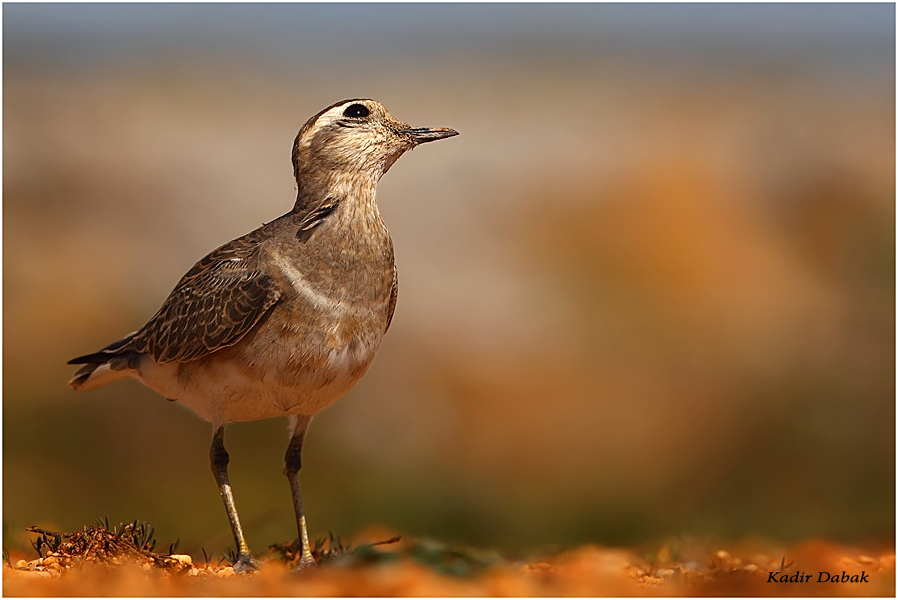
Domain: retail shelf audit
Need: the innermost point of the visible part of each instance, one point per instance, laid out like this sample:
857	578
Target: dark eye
357	111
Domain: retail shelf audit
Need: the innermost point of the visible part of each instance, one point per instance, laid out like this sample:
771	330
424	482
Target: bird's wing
213	306
394	294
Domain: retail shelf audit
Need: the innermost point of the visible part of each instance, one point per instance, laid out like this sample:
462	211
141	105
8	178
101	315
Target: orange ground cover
422	568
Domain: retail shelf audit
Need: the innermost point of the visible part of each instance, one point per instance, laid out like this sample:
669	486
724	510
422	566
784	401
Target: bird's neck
314	189
353	226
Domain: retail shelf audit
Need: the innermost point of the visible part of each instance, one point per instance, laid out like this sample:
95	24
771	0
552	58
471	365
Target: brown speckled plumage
286	319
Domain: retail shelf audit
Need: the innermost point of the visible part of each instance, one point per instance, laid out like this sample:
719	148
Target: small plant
335	547
324	549
103	543
49	541
231	555
330	549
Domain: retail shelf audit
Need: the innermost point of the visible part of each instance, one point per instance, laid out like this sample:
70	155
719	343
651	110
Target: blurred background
649	291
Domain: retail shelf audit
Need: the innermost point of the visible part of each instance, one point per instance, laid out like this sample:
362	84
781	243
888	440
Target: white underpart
222	393
101	376
345	360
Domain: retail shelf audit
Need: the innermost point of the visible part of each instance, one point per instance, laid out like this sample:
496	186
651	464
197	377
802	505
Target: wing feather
213	306
394	294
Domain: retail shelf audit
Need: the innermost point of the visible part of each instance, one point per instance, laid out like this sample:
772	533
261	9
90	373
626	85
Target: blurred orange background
649	291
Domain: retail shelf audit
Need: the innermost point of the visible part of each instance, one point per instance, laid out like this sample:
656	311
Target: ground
120	561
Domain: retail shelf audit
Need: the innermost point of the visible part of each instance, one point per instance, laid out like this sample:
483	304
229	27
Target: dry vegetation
121	562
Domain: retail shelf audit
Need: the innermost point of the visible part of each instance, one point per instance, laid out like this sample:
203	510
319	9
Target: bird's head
356	138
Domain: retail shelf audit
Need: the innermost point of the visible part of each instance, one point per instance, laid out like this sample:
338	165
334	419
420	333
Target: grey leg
293	463
219	459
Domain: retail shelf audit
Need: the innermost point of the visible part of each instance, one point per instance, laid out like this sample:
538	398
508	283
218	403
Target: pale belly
283	377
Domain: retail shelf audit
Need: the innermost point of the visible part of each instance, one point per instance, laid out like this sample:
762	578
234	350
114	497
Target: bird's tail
113	362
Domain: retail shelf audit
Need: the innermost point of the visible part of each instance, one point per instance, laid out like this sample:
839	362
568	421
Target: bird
284	320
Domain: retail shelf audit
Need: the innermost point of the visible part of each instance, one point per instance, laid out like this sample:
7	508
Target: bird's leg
219	459
293	463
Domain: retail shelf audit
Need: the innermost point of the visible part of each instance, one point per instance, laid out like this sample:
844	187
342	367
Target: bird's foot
305	561
246	564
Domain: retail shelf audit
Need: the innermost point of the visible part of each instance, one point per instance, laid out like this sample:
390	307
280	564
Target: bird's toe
246	564
305	562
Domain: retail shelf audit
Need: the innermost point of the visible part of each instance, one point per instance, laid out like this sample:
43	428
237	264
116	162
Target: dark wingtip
95	358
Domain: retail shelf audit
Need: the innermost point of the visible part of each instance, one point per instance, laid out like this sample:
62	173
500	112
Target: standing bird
286	319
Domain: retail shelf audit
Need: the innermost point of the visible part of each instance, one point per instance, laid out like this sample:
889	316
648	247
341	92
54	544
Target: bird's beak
428	134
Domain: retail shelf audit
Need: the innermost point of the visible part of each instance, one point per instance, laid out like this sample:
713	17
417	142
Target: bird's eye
356	110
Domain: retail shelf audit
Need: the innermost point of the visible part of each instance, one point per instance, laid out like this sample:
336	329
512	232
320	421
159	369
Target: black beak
427	134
